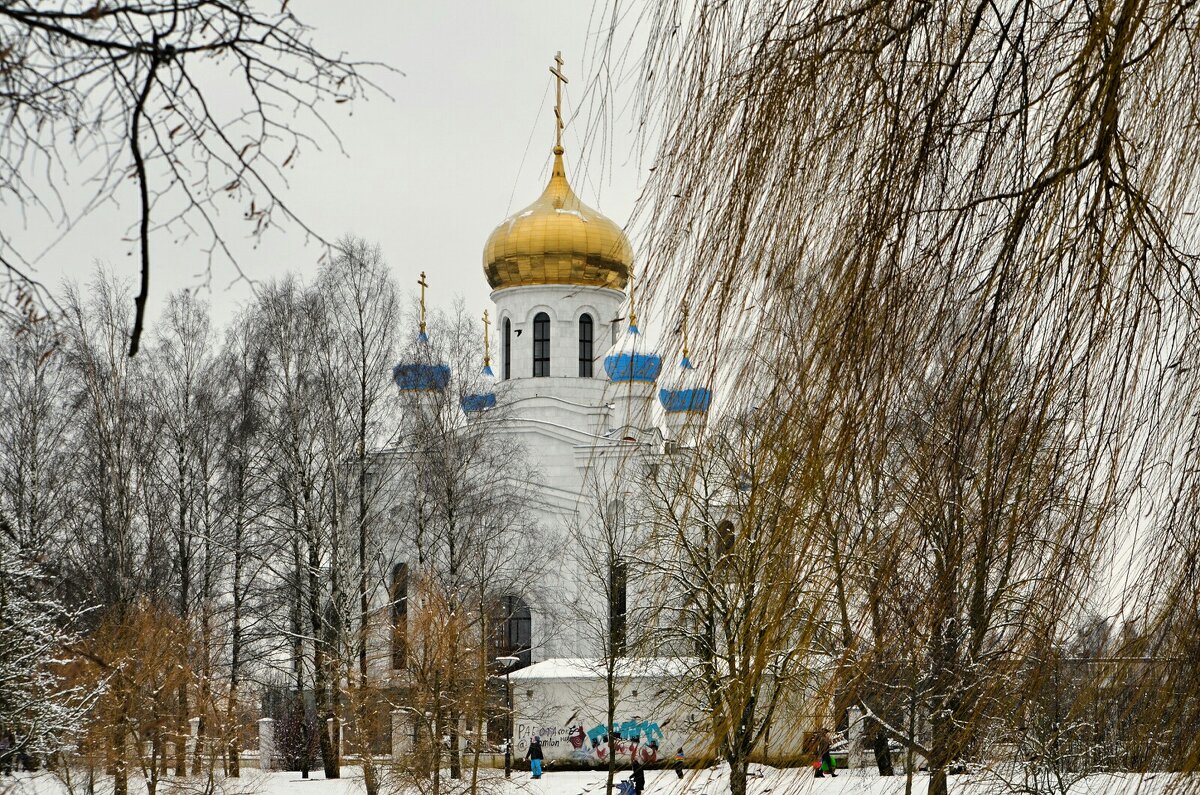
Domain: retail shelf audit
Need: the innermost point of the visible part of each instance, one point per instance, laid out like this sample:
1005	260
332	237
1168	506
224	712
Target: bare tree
744	608
180	486
116	556
140	90
361	307
293	401
244	495
464	518
608	548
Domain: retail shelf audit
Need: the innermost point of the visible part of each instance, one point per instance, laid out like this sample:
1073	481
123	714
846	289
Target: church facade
578	396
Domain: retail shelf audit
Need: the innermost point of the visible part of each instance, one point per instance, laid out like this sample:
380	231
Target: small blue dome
628	361
484	398
686	394
421	376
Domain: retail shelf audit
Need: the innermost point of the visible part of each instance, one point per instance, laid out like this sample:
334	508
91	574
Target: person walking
826	746
639	776
534	755
679	763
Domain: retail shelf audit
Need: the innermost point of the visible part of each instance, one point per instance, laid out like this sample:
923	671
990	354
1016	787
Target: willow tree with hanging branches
962	236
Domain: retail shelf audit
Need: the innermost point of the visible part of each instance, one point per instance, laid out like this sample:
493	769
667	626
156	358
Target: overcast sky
427	175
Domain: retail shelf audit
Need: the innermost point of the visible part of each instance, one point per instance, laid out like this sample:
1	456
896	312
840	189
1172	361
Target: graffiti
634	739
631	739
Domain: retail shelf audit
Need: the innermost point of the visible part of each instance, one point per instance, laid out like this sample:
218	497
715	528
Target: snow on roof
596	667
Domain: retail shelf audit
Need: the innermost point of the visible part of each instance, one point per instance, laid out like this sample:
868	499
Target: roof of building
594	667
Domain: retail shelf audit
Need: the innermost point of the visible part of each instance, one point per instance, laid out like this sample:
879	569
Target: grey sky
426	176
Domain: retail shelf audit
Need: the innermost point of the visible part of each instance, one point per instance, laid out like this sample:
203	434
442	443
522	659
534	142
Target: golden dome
557	240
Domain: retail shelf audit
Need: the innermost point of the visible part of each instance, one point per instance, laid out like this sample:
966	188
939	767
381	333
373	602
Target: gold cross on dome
487	344
559	80
423	284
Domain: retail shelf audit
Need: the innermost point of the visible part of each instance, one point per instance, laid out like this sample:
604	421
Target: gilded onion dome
557	240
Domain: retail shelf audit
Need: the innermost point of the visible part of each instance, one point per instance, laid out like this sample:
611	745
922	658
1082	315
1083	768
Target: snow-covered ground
711	781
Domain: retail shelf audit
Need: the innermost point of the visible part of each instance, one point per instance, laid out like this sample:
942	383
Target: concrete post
266	744
855	757
333	728
193	736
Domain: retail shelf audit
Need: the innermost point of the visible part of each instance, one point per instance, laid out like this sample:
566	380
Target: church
578	395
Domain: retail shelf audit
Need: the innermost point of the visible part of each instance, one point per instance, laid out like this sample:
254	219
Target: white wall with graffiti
563	702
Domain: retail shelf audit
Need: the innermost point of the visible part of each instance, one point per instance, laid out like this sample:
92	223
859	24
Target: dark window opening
399	616
514	631
724	539
618	593
585	346
541	345
507	349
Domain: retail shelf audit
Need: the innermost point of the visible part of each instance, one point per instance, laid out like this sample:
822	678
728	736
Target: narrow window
541	345
519	630
399	615
507	349
724	539
585	346
618	581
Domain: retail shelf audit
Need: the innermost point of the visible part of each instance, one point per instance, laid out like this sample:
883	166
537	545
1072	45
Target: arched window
399	616
541	345
618	596
507	349
585	346
514	635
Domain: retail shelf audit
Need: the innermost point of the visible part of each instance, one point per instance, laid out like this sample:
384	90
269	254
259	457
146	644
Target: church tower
576	382
558	271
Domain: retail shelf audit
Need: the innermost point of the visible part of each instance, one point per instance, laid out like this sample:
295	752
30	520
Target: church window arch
618	601
507	349
541	345
514	630
586	341
399	594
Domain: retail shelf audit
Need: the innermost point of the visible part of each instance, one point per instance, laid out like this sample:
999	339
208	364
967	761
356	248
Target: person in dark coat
639	776
534	755
826	754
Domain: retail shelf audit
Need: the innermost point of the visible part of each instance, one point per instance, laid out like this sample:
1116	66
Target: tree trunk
939	751
120	772
883	752
182	734
152	772
737	774
455	749
321	684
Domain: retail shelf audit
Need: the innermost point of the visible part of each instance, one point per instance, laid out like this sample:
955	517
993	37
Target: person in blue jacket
534	755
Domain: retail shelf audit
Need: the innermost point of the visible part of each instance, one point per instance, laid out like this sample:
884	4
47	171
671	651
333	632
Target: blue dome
628	361
485	398
421	376
685	395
